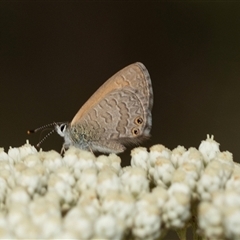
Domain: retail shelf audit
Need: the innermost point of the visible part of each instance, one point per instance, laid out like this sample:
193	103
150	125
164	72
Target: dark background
54	55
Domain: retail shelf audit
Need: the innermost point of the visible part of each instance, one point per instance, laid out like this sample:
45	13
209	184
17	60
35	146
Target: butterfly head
61	129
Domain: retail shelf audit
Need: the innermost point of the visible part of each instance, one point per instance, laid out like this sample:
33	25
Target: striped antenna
46	136
50	125
40	128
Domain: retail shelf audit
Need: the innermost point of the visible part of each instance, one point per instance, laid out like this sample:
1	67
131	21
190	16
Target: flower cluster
81	196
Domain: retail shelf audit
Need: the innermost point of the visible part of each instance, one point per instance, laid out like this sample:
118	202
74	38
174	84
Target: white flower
115	162
211	180
18	195
134	180
232	223
3	221
78	160
26	226
51	227
139	158
8	176
7	172
4	165
210	221
177	209
41	210
193	156
63	189
43	175
161	196
209	148
71	156
188	174
3	189
103	161
5	231
66	234
46	215
51	160
121	205
87	180
162	172
177	156
226	160
79	196
16	154
158	151
107	181
89	202
30	179
233	182
108	227
85	160
147	222
226	200
3	156
225	206
18	169
53	198
17	212
66	175
32	160
146	200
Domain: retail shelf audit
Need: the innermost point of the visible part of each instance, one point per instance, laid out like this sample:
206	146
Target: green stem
182	233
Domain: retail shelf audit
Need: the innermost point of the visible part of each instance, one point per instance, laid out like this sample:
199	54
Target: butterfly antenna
43	139
50	125
41	128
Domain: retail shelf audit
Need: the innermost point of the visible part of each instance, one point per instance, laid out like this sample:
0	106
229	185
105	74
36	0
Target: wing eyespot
135	131
138	121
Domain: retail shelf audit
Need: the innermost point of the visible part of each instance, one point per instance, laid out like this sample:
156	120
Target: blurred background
54	55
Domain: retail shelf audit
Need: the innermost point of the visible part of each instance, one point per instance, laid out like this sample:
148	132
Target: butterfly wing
120	109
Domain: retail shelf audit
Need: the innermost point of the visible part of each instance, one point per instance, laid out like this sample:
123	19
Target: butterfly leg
63	150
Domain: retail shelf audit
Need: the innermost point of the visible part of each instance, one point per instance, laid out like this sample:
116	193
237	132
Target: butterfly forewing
120	108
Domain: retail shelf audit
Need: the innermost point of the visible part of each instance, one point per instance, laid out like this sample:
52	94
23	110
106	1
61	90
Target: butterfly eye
138	121
135	131
63	127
